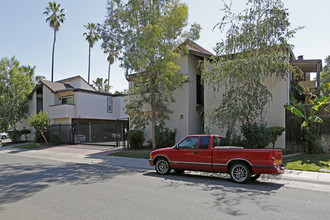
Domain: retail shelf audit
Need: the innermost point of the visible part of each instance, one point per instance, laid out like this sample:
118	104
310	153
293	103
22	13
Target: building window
67	100
109	105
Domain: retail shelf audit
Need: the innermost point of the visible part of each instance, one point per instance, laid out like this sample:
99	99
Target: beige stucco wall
185	118
180	116
195	119
274	114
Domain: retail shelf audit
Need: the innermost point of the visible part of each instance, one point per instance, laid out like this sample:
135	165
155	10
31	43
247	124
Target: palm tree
101	86
112	55
55	19
92	36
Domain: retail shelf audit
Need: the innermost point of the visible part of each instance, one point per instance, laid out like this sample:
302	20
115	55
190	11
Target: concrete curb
294	175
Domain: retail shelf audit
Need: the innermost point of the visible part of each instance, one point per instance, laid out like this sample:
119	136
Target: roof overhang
308	66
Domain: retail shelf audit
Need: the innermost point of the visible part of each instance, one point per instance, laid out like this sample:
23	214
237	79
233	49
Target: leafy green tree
16	85
149	33
91	36
325	76
56	17
101	85
108	33
41	123
256	46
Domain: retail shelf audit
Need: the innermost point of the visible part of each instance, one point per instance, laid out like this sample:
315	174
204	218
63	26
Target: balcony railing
62	111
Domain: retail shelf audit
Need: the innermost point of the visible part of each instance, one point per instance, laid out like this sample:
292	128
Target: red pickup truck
209	153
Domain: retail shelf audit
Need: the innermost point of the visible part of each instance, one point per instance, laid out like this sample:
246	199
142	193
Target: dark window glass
204	142
189	143
199	90
219	141
67	100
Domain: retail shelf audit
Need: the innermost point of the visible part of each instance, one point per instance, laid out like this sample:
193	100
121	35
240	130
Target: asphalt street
34	186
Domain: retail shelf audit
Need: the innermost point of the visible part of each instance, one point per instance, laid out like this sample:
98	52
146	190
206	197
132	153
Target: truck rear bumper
268	169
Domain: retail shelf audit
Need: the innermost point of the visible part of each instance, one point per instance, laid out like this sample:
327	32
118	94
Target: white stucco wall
79	83
48	99
94	106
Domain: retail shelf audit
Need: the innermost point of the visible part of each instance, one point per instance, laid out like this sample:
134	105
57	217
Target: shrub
255	135
25	132
165	137
232	139
41	123
135	138
311	140
275	133
57	138
15	135
38	138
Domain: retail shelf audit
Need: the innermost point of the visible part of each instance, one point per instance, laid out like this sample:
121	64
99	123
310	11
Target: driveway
67	153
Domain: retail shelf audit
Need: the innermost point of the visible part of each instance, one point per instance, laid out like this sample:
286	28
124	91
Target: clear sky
25	34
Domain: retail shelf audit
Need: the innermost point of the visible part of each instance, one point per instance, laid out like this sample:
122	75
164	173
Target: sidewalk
306	176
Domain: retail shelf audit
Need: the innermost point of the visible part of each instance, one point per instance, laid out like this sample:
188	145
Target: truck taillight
271	155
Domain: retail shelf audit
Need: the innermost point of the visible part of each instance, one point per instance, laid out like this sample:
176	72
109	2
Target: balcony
62	111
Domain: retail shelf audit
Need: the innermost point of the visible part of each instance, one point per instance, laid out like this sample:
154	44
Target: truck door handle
195	152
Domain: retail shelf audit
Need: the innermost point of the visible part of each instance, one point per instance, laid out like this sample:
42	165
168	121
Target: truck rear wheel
240	173
255	176
162	166
179	171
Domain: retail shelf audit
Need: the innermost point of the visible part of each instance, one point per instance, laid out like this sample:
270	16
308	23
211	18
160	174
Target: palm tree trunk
109	74
89	63
53	55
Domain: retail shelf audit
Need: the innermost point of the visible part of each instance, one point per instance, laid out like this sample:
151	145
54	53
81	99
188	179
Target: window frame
109	104
66	97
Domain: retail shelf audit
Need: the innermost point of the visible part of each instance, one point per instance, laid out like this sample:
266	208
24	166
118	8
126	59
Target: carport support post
90	131
117	144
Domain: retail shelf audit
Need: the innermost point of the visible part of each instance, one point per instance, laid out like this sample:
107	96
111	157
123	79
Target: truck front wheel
240	173
162	166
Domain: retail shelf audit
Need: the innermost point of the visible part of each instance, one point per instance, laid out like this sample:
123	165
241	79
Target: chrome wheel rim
162	167
239	173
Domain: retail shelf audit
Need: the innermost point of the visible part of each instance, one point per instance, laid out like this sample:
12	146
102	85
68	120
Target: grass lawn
28	146
308	162
143	154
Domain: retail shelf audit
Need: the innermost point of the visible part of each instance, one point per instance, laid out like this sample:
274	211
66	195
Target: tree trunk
53	55
89	63
43	136
153	116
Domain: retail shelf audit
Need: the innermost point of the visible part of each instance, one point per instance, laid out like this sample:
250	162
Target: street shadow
19	181
228	196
